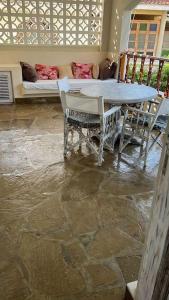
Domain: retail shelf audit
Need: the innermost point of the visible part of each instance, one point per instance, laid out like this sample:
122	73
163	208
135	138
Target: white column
120	26
125	30
161	34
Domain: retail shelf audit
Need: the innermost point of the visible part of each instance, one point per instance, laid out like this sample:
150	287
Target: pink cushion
46	72
82	71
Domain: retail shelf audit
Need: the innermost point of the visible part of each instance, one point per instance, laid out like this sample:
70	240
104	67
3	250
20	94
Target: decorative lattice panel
53	22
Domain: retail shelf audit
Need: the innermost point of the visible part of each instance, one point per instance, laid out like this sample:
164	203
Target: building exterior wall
148	17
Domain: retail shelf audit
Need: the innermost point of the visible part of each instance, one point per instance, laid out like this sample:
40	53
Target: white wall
116	22
49	55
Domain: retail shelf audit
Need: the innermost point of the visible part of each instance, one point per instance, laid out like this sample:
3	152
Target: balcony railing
144	70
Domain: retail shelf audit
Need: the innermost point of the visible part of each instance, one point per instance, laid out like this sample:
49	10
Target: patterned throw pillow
46	72
82	71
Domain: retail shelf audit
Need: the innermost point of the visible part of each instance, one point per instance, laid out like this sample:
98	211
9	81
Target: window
52	22
143	27
144	36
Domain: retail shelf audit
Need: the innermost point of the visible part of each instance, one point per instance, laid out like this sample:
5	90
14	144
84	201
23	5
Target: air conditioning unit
6	90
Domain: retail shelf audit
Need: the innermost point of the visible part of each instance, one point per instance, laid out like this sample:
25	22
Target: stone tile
110	294
49	179
7	251
84	184
110	241
82	215
59	217
127	183
120	212
21	123
102	275
47	216
12	284
5	125
14	229
49	272
144	204
37	296
7	161
74	253
37	149
129	266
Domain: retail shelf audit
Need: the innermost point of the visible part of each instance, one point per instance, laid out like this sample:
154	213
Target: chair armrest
111	111
141	111
154	101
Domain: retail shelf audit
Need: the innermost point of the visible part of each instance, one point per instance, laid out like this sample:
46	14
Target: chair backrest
162	110
83	104
63	85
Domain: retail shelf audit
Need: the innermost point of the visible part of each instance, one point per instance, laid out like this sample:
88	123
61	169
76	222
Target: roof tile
156	2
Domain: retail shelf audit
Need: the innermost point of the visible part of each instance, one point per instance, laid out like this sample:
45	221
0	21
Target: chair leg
66	133
80	138
146	152
100	155
121	146
121	141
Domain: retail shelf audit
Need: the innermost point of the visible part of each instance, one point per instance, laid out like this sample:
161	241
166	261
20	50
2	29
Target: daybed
41	88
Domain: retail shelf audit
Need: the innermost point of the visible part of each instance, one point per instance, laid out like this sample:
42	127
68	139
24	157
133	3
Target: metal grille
6	95
54	22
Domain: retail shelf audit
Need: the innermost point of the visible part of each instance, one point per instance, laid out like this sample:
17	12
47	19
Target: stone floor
68	229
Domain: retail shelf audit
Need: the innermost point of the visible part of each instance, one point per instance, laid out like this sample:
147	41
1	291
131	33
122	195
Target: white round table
120	93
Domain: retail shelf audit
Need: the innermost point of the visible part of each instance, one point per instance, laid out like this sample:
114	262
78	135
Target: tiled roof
156	2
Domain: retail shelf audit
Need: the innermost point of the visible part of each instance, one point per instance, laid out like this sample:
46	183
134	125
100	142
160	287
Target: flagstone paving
69	230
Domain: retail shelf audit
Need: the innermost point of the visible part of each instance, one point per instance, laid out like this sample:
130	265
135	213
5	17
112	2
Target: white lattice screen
53	22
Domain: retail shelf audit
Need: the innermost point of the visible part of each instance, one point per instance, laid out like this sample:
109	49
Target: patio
73	223
91	221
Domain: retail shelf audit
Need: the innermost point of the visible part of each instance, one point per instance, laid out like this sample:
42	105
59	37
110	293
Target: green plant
153	82
165	53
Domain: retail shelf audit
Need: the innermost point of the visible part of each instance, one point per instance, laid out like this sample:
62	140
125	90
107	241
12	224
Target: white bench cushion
51	85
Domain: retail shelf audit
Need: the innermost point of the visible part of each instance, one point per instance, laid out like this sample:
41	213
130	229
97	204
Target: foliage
165	53
153	83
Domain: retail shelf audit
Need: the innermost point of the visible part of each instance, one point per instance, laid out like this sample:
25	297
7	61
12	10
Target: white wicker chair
87	117
139	123
63	85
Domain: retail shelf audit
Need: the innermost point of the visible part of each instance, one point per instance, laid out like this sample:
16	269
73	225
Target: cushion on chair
82	71
46	72
84	120
107	69
28	72
65	71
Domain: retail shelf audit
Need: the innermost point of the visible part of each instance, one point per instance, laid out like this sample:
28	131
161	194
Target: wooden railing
132	64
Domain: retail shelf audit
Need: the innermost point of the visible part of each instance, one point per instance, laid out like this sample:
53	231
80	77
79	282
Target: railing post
134	69
127	67
161	64
152	59
143	58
